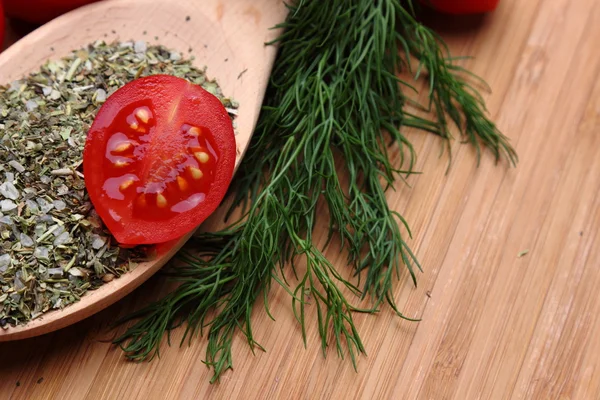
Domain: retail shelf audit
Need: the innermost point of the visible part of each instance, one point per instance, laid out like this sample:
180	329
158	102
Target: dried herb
54	246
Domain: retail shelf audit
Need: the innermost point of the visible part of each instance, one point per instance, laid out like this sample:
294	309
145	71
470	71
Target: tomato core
161	184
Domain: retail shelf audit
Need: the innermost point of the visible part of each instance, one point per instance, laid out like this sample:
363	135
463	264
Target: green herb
54	247
523	253
334	92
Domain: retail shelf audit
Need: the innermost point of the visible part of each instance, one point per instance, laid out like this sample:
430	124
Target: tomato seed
123	147
122	163
141	200
196	173
201	156
182	183
161	200
195	131
143	115
125	185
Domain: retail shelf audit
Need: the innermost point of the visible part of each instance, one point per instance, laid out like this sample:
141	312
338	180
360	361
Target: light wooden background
495	325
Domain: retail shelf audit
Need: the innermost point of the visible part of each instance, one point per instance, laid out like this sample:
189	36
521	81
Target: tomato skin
175	104
1	27
40	11
459	7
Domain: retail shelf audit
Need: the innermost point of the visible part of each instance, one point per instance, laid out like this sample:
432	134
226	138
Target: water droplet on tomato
189	203
113	186
114	215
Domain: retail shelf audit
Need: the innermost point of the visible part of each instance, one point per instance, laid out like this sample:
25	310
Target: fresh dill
333	106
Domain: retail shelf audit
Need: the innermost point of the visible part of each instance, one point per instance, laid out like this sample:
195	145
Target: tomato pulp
462	6
158	159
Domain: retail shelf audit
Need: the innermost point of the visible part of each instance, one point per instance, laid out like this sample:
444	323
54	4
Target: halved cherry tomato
40	11
158	159
462	6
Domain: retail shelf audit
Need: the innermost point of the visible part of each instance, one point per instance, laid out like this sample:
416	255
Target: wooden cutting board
495	325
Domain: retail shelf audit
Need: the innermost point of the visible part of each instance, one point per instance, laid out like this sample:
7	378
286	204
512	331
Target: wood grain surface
494	325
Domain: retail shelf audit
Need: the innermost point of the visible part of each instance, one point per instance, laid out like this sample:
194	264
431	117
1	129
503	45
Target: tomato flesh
158	159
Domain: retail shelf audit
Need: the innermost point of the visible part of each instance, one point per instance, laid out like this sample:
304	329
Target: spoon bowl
225	37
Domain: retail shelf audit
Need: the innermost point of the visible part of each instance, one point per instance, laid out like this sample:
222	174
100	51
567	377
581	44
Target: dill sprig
453	97
333	106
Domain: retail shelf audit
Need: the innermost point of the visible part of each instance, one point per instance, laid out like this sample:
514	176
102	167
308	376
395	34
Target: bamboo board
494	325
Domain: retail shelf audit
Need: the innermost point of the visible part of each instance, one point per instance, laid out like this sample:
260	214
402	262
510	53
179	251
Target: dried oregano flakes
54	247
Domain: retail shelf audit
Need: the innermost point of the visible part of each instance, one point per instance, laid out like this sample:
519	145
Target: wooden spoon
225	36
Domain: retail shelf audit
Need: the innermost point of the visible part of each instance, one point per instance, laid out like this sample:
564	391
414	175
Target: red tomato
40	11
1	27
463	6
158	159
